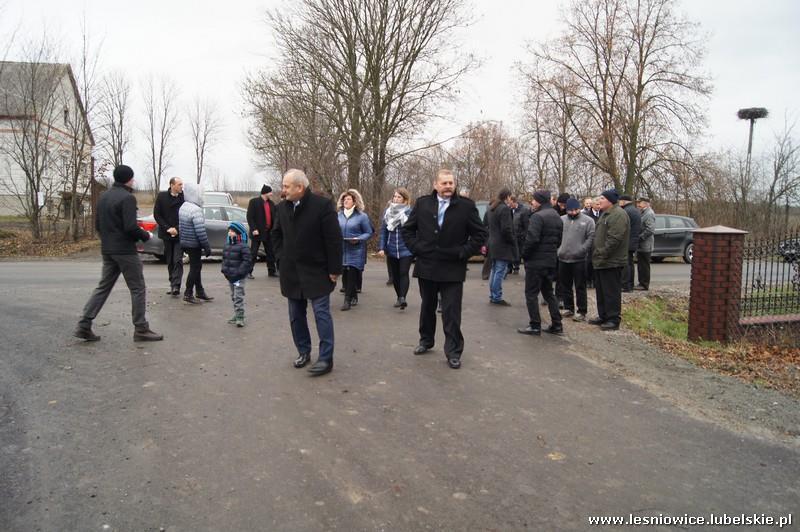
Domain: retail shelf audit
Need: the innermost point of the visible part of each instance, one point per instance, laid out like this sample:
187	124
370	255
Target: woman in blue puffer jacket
391	243
356	230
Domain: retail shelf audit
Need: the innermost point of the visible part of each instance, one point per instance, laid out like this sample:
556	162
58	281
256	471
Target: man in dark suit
443	231
261	218
308	241
165	211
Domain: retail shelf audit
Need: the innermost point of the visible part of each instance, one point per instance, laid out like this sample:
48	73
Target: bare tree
162	121
113	117
78	114
783	181
205	126
631	71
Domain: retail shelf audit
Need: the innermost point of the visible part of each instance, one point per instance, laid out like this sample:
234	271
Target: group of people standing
315	243
566	249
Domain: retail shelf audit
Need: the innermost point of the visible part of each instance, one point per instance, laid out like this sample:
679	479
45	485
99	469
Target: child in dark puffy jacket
236	264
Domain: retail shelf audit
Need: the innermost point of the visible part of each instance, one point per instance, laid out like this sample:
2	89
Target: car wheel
688	252
160	258
657	260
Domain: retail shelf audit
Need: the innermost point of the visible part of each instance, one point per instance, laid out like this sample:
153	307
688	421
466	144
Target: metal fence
771	275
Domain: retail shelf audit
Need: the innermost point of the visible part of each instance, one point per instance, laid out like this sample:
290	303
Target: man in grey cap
646	241
119	232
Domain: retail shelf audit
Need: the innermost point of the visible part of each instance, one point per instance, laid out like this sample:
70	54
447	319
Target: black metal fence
771	275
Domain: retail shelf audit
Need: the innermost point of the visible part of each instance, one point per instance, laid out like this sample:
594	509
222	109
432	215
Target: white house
46	141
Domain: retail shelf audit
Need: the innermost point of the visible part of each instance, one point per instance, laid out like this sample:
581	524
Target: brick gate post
716	284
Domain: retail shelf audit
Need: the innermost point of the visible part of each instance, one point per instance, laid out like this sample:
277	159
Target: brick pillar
716	284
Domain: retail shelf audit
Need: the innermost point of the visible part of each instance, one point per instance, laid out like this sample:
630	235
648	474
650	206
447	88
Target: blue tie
442	207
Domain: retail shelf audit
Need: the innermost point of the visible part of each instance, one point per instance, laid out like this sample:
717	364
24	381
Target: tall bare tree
631	70
113	117
78	115
160	101
205	125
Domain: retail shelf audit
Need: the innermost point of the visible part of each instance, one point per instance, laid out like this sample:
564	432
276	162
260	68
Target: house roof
24	87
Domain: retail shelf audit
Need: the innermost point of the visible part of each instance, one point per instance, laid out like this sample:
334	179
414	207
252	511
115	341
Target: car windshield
236	215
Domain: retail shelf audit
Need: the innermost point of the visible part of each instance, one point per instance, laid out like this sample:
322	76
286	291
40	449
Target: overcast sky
207	48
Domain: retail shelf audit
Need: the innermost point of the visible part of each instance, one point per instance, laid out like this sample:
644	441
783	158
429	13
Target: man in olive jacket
308	241
119	232
540	249
443	231
609	258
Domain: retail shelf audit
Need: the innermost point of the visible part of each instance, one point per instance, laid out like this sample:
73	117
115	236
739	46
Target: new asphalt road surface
213	429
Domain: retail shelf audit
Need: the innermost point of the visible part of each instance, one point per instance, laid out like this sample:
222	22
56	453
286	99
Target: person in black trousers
443	231
165	211
119	232
260	218
609	256
539	251
392	246
626	202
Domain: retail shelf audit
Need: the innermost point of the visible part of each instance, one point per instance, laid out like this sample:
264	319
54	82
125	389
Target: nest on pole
752	113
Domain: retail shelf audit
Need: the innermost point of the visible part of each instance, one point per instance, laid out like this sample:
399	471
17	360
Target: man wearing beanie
609	257
119	232
539	251
561	203
626	202
576	243
260	218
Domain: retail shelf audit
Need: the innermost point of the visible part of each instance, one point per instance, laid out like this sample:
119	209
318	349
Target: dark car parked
217	219
790	249
674	237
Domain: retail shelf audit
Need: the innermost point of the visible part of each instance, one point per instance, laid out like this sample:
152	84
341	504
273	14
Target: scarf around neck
348	212
395	216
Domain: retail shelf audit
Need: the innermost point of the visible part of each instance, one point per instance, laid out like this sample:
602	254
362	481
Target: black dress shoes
85	334
302	360
205	297
596	321
555	329
454	363
500	302
422	349
533	331
321	367
609	326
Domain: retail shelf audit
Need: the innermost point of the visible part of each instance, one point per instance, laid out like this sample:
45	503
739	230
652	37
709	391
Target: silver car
217	219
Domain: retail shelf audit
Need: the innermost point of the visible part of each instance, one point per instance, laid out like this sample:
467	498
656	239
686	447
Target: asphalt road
212	429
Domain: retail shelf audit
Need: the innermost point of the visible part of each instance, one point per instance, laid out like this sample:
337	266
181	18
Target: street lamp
752	114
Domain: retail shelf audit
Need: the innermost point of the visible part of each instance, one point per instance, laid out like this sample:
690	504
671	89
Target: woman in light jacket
356	230
391	243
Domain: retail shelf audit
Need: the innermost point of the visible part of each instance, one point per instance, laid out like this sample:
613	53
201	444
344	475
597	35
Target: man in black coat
502	245
626	202
520	213
165	211
308	241
261	218
541	263
443	231
119	232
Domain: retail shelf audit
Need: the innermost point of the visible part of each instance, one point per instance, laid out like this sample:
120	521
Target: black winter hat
542	196
266	189
563	197
626	197
573	204
123	173
611	195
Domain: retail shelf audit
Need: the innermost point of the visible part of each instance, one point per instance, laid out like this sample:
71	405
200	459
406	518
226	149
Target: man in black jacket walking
261	218
308	241
165	211
119	232
541	263
443	231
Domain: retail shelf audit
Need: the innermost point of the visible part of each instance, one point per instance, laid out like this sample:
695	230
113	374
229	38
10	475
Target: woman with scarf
391	243
356	230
